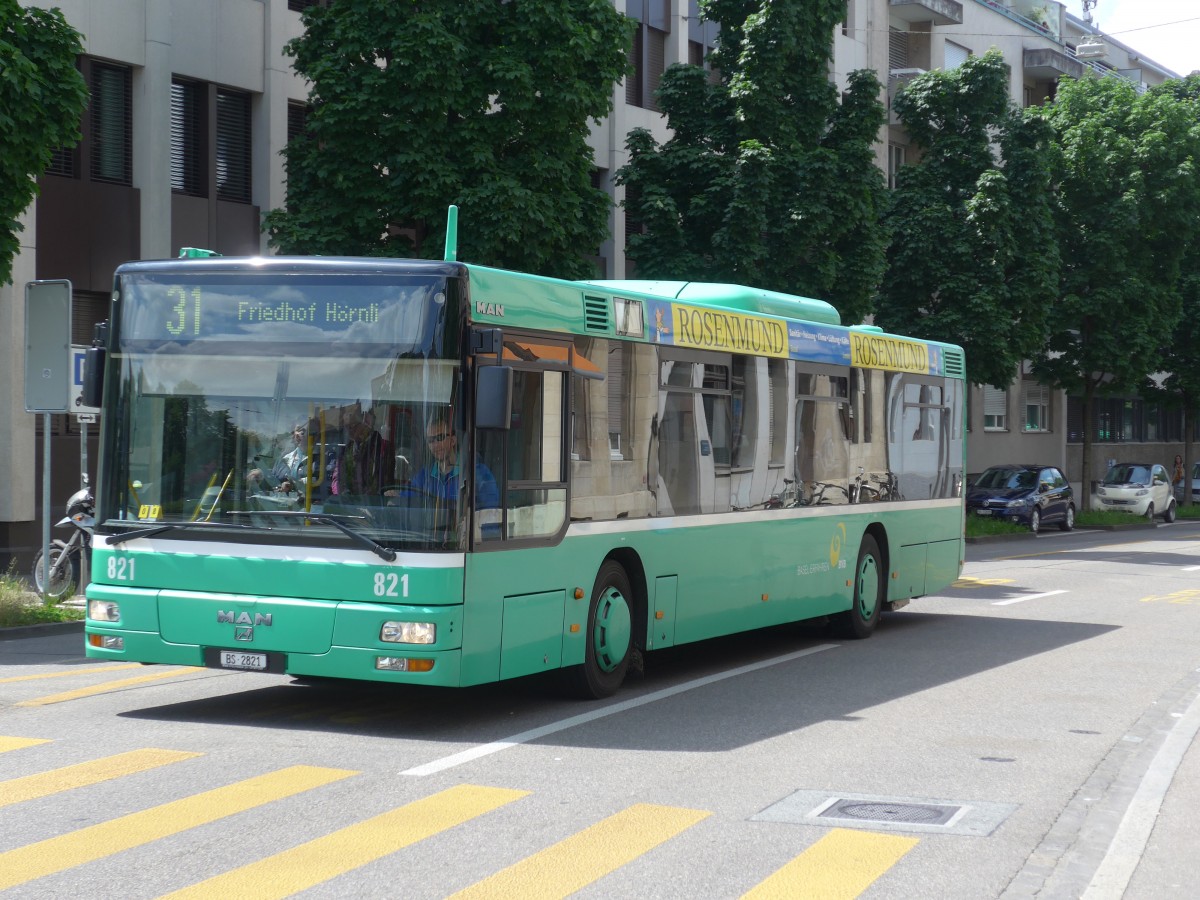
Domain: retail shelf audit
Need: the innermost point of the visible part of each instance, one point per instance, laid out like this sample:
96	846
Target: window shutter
995	401
897	49
112	128
233	146
955	56
656	55
186	145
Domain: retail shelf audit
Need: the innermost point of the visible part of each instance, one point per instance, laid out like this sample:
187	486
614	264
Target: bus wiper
165	526
385	553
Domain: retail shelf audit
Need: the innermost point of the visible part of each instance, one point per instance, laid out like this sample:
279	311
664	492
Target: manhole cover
908	813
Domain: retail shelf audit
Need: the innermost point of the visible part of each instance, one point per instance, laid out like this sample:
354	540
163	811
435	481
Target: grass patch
19	607
1188	512
1106	517
983	526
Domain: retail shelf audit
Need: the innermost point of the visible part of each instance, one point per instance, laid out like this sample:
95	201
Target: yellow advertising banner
875	351
719	329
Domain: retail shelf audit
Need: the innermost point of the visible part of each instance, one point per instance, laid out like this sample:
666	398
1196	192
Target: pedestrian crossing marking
16	743
105	687
32	787
348	848
839	866
90	670
574	863
95	842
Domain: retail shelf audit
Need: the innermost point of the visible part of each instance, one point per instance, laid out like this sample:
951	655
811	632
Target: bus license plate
983	512
231	659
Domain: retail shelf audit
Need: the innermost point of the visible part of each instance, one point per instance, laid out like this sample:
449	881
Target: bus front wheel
608	638
869	584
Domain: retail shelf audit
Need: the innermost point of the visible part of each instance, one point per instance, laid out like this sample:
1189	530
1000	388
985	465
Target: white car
1143	489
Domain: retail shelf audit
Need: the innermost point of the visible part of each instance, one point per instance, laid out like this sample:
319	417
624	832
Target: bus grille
595	313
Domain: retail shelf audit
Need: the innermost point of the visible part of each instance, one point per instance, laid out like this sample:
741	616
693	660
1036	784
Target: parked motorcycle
68	558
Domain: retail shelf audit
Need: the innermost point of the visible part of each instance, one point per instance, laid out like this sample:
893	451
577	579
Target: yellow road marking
68	777
839	866
15	743
105	687
95	842
576	862
967	581
319	860
94	670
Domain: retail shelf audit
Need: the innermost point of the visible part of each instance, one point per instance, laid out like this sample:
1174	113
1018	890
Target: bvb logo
835	544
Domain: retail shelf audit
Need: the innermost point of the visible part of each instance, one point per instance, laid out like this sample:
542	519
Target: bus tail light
402	664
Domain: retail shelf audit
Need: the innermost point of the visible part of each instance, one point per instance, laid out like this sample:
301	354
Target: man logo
243	633
232	617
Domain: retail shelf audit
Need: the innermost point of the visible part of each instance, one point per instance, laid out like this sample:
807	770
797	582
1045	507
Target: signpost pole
45	505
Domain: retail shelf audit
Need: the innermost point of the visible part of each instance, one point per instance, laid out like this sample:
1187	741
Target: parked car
1143	489
1195	486
1024	494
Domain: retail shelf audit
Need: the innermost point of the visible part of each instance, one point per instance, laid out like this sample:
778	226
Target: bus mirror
493	397
93	376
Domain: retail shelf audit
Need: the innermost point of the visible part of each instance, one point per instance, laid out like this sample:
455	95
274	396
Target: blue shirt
446	485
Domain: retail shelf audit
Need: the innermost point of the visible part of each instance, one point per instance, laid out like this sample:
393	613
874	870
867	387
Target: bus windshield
246	401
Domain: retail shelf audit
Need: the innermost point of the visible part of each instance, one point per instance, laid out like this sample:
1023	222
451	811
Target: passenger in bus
367	463
287	472
442	478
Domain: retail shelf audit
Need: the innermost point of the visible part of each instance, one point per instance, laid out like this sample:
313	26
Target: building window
187	138
111	122
648	56
897	49
954	56
297	119
1036	403
995	408
233	146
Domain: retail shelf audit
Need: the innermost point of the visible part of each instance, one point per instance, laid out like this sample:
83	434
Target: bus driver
442	478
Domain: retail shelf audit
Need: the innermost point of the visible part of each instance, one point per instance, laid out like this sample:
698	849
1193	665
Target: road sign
47	346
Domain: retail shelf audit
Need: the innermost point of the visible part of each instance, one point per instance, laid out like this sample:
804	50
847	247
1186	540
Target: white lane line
1027	597
1191	569
1125	852
457	759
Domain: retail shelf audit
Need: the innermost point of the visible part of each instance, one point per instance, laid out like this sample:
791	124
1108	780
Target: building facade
193	102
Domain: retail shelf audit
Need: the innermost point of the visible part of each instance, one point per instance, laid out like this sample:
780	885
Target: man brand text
489	309
243	618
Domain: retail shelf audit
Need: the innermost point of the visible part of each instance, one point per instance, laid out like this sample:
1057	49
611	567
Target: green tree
766	180
1125	214
1181	348
42	96
415	106
973	259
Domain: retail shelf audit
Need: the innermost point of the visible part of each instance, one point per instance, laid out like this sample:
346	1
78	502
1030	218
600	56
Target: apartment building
192	103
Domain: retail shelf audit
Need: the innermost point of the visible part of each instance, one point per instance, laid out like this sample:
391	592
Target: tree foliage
1127	193
973	259
42	96
766	180
415	106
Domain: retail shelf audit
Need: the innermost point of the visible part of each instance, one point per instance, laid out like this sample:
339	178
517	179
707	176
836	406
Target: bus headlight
104	611
408	632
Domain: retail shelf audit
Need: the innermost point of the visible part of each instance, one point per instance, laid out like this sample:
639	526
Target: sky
1166	31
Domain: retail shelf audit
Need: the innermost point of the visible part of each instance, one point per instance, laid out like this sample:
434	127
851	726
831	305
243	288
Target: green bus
430	472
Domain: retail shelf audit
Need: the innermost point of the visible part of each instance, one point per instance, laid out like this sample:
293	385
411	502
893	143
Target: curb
43	630
1000	538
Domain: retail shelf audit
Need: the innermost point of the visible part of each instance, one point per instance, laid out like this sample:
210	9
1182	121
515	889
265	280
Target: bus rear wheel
608	638
869	583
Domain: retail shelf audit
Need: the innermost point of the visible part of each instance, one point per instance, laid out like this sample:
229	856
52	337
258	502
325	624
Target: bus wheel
608	636
869	582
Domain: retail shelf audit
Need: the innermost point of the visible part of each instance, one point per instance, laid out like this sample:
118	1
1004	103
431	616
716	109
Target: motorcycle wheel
63	577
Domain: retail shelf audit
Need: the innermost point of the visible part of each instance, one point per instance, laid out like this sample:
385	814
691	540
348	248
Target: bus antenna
451	233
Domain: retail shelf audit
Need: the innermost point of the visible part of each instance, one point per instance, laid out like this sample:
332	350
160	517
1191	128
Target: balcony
898	79
940	12
1048	63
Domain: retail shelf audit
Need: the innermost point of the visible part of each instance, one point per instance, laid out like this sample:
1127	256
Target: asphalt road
1027	733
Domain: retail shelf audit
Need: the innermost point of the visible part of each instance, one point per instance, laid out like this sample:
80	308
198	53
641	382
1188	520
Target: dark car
1026	495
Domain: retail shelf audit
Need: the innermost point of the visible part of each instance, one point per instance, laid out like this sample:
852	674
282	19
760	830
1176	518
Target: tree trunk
1186	499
